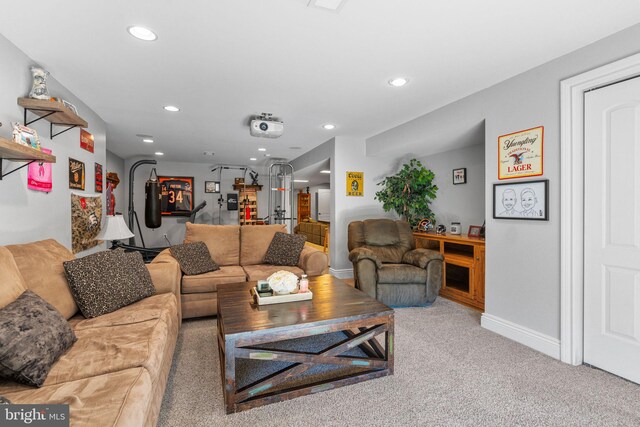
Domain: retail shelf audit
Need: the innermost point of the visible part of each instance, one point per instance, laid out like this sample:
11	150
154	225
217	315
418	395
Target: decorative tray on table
277	299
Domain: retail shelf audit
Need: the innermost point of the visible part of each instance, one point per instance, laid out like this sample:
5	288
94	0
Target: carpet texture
448	372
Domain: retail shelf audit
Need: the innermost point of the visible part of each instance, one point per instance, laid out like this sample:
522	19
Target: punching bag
152	201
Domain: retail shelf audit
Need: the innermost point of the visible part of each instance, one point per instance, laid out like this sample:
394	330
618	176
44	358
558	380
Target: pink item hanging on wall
39	176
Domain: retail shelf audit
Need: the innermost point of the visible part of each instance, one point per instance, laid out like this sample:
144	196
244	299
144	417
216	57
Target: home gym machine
281	203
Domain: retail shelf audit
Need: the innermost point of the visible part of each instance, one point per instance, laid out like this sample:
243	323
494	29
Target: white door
324	205
612	229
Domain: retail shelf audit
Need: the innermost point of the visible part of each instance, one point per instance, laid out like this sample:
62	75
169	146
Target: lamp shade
114	229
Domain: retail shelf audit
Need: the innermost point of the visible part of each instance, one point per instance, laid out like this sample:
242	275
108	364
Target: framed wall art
521	154
99	180
177	195
528	200
26	136
86	141
76	174
459	176
212	186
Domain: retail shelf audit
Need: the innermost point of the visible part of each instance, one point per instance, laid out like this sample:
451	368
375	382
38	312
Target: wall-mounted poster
232	201
520	154
76	174
98	178
177	195
521	200
86	140
355	184
86	216
39	176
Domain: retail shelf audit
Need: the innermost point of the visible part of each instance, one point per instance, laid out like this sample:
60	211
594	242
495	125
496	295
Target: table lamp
114	229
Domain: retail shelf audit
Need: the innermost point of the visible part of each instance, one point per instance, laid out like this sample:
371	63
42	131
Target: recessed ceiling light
171	108
398	82
147	140
253	159
142	33
329	126
267	155
300	180
262	149
159	153
325	171
333	5
209	153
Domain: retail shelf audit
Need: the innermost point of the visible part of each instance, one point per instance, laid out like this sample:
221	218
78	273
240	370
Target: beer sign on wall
520	154
355	184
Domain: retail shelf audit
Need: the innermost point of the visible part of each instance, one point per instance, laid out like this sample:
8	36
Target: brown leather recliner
388	267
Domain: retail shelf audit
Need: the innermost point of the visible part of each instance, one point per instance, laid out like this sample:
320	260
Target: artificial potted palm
409	192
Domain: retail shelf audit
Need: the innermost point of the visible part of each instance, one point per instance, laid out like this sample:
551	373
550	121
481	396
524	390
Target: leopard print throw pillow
285	249
106	281
194	258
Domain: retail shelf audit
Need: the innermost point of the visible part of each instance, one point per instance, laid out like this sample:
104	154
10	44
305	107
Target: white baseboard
537	341
342	273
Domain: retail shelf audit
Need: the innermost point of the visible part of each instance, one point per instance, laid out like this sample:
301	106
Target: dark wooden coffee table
244	328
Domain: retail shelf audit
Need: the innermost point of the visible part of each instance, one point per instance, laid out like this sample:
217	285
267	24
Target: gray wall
349	155
463	203
27	215
523	257
116	164
174	227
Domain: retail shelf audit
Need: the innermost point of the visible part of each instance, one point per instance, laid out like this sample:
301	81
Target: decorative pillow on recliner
194	258
106	281
33	336
285	249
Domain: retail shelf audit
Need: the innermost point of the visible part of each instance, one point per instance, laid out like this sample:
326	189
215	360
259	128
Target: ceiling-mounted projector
264	126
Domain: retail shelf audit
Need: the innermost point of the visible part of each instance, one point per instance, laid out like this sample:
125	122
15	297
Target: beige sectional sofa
239	251
116	372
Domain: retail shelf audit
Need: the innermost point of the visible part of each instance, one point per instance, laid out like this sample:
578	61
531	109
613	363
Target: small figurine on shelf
425	225
39	88
254	178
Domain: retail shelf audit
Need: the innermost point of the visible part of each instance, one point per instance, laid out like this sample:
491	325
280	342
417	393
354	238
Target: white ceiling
222	61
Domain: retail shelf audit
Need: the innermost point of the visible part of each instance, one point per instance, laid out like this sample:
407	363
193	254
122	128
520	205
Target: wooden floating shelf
15	152
241	187
53	112
10	150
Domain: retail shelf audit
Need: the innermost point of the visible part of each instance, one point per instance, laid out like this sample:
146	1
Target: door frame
572	92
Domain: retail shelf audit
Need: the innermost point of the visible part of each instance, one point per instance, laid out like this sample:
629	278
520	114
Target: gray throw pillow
285	249
194	258
106	281
33	336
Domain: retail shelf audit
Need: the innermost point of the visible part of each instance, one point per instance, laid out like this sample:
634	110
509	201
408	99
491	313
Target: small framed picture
70	106
25	136
459	176
475	231
527	200
212	186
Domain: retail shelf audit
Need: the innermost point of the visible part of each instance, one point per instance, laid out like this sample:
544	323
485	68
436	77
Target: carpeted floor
448	371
